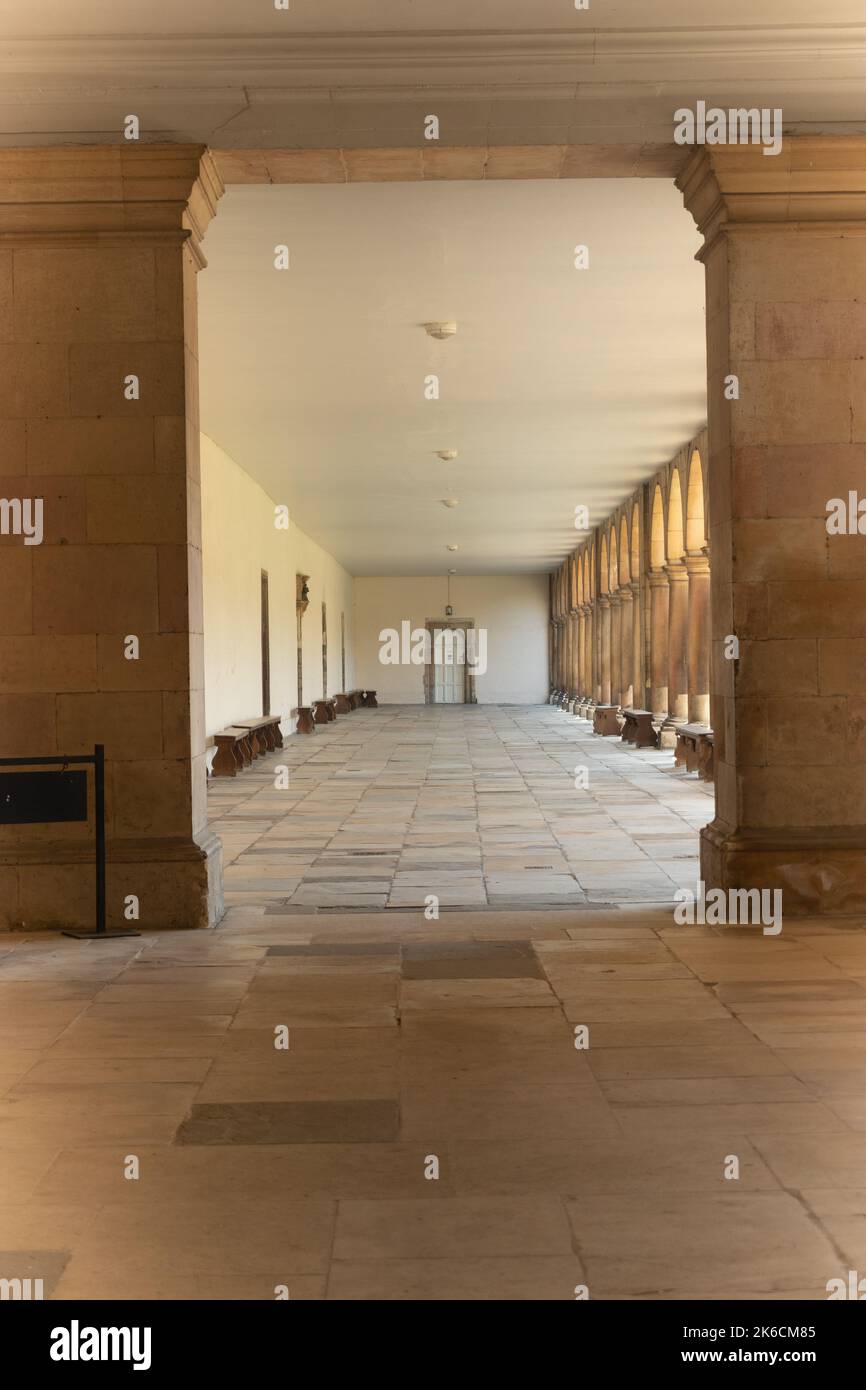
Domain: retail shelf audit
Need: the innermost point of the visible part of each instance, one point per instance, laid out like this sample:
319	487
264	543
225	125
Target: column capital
814	183
658	579
676	571
84	194
697	562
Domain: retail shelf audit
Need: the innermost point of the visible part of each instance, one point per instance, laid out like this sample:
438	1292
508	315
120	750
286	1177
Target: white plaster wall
239	541
513	608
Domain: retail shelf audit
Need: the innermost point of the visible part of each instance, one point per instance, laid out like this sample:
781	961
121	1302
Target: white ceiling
562	387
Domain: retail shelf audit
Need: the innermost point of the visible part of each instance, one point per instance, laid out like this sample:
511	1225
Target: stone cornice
819	182
155	191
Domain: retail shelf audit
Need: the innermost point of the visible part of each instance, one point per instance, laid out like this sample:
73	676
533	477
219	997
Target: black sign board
32	798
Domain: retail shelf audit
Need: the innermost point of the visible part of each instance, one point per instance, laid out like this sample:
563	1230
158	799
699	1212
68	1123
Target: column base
50	886
819	872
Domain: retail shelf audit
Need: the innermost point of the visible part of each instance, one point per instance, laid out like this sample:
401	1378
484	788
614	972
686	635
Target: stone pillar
637	644
581	652
627	683
678	665
658	587
99	249
604	650
615	648
698	567
589	659
785	259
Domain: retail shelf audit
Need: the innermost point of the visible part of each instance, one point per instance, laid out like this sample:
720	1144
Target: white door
449	666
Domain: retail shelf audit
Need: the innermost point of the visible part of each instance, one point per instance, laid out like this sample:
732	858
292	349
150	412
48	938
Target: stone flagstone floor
476	805
431	1130
311	1168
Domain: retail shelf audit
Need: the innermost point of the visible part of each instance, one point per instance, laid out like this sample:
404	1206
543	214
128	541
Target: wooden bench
689	740
242	742
638	728
306	722
265	733
323	711
342	703
233	752
368	699
604	720
706	758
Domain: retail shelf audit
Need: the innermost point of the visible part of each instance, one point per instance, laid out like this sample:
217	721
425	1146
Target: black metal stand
101	932
27	814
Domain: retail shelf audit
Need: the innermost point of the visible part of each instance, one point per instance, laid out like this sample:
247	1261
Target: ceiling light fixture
453	547
450	502
440	330
446	455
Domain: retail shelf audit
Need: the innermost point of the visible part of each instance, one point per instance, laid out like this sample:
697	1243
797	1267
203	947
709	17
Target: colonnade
630	608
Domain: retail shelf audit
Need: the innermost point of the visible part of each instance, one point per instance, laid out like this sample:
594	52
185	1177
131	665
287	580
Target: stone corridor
501	1104
476	805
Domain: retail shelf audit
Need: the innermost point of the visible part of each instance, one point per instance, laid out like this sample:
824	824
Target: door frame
432	626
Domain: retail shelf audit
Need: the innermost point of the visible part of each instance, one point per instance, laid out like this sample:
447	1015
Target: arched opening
624	567
603	578
657	531
635	542
675	545
696	537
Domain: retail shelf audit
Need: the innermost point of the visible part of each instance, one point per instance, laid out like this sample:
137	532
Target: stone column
698	567
637	644
785	259
615	647
604	650
627	697
581	652
101	624
658	587
678	664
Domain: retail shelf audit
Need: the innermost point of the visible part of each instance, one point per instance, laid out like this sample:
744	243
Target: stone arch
675	537
603	575
696	530
657	530
624	555
613	567
635	542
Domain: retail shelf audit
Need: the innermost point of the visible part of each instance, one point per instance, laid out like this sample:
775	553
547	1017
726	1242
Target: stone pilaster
785	258
99	250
